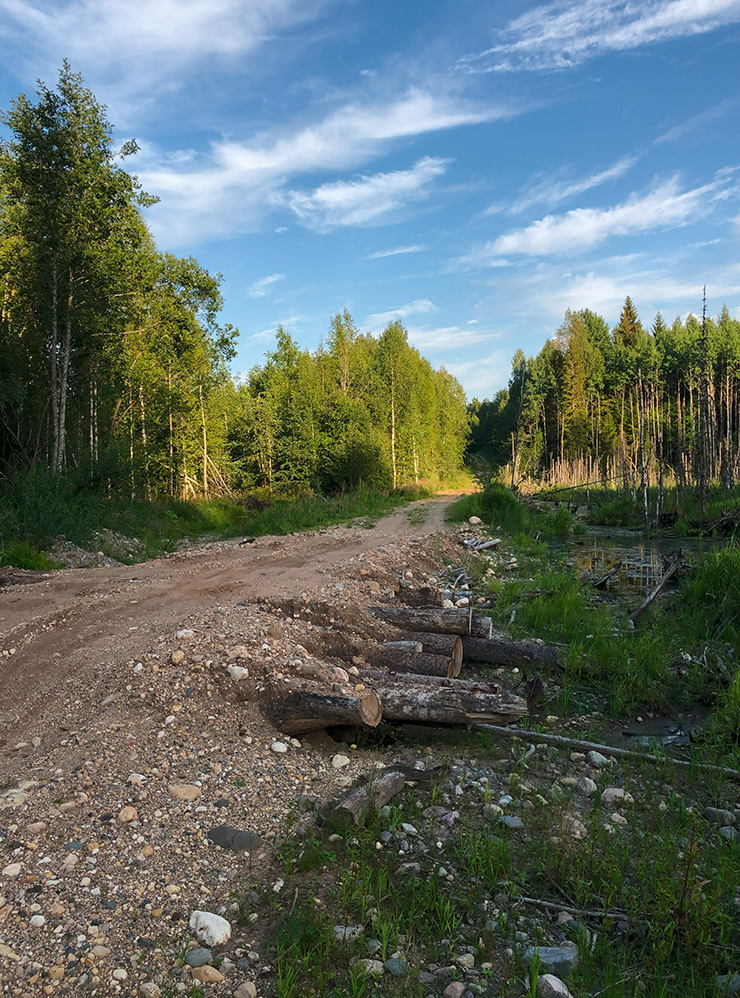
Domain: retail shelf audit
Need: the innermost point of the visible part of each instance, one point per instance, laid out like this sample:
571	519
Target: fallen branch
657	589
576	743
584	913
600	581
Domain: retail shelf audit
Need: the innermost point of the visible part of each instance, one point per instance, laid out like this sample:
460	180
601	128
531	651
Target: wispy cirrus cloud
367	200
422	306
697	121
235	184
263	286
398	251
132	43
665	206
567	33
550	192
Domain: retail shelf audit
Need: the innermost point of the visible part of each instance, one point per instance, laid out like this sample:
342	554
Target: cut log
311	707
377	677
657	589
411	645
500	649
403	698
422	664
436	620
441	644
353	808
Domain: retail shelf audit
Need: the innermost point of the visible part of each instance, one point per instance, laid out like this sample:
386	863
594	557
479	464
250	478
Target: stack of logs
413	679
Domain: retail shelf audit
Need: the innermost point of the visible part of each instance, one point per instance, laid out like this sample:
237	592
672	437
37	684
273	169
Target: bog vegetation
114	362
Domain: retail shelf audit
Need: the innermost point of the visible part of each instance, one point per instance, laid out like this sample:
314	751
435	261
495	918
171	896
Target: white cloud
696	122
133	43
399	251
367	200
483	376
422	306
233	187
551	192
665	206
448	337
567	33
263	286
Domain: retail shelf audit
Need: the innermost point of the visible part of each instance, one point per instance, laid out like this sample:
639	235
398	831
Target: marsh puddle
643	560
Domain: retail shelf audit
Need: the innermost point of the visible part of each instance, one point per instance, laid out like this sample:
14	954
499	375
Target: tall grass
38	507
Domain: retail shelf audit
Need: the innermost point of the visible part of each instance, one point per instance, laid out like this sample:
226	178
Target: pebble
207	975
185	791
727	832
475	521
727	985
597	759
149	990
198	957
511	821
339	761
280	748
560	960
346	933
12	870
396	966
235	839
454	990
209	928
37	921
719	817
466	960
549	986
127	814
120	974
238	672
373	968
586	785
246	990
177	656
615	795
185	634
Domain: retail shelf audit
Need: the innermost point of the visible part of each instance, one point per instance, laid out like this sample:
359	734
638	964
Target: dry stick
574	911
538	736
601	581
670	572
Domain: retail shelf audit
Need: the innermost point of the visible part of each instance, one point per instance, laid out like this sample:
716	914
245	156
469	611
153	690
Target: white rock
238	672
185	634
279	747
246	990
120	974
550	986
37	921
596	759
339	761
211	930
12	870
615	795
475	520
586	785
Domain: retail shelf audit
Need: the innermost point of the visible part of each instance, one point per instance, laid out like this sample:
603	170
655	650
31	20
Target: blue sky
472	169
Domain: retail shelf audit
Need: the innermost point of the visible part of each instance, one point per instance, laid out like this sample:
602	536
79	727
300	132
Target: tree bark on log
421	664
500	649
308	708
436	620
377	677
441	644
403	698
353	808
414	645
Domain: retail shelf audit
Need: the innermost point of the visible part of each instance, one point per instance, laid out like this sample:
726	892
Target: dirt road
64	627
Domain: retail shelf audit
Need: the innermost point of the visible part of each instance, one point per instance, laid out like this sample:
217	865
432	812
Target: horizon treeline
113	360
631	406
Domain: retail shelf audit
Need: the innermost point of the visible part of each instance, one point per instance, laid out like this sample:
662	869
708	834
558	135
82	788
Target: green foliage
21	554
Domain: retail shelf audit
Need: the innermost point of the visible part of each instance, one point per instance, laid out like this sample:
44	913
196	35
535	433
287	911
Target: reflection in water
643	560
